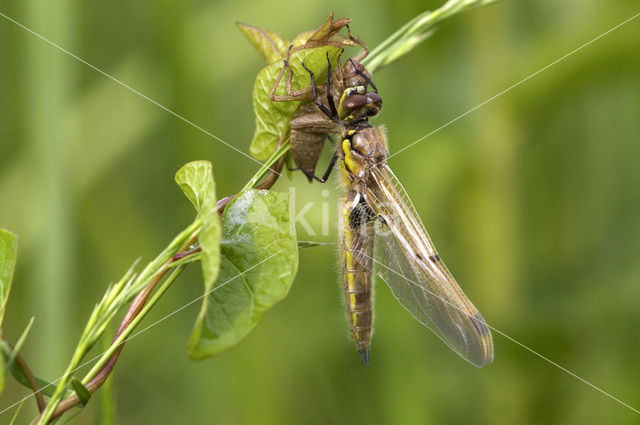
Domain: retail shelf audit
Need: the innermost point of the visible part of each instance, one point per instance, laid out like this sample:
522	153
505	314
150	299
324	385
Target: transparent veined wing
409	264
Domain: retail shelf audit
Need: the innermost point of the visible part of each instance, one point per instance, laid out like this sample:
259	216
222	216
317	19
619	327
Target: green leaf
196	181
21	340
8	252
83	392
47	388
273	47
270	45
259	263
272	118
69	419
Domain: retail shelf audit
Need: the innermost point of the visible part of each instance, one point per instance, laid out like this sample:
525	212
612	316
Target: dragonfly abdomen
357	253
358	293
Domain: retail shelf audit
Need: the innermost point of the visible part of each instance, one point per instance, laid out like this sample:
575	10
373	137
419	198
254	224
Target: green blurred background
533	201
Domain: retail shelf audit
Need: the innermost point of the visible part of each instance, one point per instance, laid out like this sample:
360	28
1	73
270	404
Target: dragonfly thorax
361	149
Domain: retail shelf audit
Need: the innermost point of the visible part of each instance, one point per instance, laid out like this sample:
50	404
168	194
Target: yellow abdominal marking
350	282
349	274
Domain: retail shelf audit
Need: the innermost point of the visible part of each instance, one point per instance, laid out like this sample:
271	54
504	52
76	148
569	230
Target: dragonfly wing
408	263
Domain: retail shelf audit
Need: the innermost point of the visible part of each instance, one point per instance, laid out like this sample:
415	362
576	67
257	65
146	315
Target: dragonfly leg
330	168
367	79
365	49
315	96
311	176
332	105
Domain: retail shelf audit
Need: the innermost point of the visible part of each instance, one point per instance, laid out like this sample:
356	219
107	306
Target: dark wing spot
479	324
361	214
435	258
419	257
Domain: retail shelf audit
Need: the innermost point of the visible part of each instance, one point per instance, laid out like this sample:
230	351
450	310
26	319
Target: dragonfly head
357	103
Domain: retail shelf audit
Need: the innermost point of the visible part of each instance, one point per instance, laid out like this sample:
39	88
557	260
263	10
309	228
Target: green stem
371	62
32	382
111	354
266	167
415	31
127	331
107	407
94	327
55	398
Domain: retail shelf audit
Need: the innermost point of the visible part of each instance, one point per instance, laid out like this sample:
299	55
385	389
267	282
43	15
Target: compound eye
355	101
373	97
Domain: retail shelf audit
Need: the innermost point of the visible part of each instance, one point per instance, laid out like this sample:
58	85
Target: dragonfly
381	233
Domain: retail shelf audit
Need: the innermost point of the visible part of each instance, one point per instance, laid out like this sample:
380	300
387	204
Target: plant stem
415	31
101	370
373	59
22	365
31	379
266	168
150	275
107	405
137	310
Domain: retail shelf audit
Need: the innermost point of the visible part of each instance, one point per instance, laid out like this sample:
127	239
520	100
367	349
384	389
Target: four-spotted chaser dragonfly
381	232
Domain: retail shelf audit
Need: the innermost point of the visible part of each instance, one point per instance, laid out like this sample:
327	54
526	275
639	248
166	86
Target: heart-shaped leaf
196	181
270	45
312	47
272	118
259	263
